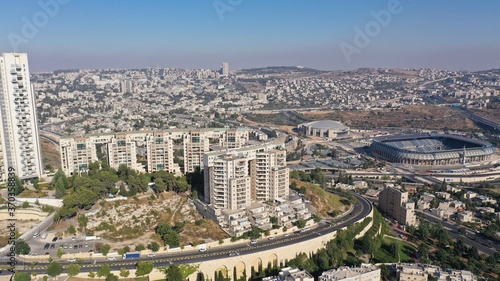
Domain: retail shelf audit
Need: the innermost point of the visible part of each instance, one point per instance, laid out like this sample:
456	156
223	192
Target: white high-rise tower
225	69
20	145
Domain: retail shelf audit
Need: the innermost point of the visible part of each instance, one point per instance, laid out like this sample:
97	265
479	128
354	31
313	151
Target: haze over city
200	34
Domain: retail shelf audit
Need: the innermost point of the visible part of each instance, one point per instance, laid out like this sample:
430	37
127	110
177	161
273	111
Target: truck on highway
131	255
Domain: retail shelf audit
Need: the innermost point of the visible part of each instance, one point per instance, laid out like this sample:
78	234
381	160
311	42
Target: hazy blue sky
452	35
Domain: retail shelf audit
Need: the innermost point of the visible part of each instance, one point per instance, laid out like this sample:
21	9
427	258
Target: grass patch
406	251
325	203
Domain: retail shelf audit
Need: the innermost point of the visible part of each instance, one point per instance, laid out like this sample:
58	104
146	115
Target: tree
22	248
200	276
18	185
155	247
54	269
173	273
105	249
82	221
171	238
73	269
60	252
423	248
111	277
140	247
104	270
60	189
301	223
144	267
91	274
72	229
124	272
22	276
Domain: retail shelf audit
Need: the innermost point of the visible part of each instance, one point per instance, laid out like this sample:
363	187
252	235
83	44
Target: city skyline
333	35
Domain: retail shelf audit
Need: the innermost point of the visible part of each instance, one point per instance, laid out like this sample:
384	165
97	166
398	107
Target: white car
111	258
271	238
72	260
151	255
253	242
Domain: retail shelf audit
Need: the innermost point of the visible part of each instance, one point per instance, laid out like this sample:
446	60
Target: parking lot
50	244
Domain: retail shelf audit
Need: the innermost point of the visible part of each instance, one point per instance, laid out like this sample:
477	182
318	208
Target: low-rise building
366	272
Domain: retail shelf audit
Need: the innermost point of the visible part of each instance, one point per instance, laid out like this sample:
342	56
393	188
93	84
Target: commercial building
324	129
366	272
256	174
19	139
394	202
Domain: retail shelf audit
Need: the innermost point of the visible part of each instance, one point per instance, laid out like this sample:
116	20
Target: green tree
72	229
54	269
140	247
105	249
171	238
73	269
173	273
300	223
111	277
60	189
143	268
82	221
60	252
104	270
22	276
155	247
200	276
424	248
18	185
22	248
124	272
91	274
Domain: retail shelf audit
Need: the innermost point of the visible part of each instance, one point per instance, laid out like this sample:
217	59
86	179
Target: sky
320	34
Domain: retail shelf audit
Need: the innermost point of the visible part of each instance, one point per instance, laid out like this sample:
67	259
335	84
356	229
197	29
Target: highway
471	239
361	209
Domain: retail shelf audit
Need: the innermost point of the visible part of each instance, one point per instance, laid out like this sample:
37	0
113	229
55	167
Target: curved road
361	209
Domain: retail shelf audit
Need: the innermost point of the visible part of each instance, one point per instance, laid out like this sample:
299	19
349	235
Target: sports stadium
431	149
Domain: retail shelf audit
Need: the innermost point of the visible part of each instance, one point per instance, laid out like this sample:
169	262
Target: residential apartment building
19	139
234	138
256	173
158	147
122	151
366	272
196	143
395	202
76	154
160	152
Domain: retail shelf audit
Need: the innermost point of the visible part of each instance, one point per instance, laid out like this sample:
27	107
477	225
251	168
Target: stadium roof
325	125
